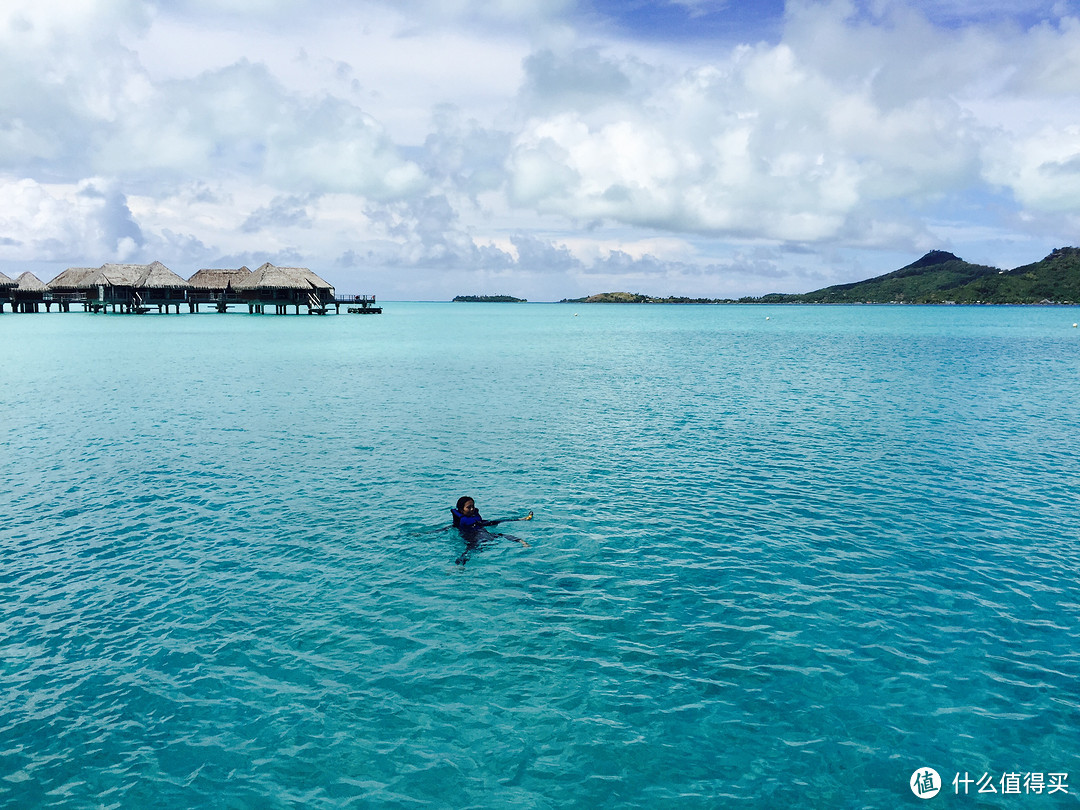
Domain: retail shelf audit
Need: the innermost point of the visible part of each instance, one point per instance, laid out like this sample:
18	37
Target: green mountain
942	278
936	278
1056	279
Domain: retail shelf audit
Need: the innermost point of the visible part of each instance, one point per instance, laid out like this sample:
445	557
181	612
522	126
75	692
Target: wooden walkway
193	300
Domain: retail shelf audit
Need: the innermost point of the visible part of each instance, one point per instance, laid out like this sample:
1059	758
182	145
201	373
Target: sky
547	149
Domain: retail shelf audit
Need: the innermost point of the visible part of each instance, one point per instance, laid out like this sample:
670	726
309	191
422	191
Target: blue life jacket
466	521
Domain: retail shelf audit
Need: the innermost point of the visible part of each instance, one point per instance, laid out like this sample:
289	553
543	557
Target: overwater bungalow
64	288
125	287
111	285
28	294
215	286
161	287
284	287
6	285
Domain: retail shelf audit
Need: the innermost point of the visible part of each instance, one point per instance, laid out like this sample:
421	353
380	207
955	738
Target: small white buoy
575	315
766	317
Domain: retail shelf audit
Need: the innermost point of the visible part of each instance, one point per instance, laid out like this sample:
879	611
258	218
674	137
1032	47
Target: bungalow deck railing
77	296
350	298
206	296
102	299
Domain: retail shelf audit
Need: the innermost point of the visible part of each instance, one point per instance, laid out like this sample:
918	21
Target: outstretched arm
507	520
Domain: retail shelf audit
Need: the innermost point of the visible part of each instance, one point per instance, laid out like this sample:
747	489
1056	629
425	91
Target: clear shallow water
781	556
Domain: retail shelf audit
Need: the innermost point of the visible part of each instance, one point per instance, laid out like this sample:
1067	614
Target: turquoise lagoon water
782	557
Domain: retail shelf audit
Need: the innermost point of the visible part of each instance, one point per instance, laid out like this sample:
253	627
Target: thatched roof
215	279
117	275
28	282
6	282
70	278
146	276
269	277
157	276
108	275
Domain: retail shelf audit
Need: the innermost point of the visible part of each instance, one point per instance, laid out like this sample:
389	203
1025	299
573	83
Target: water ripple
781	565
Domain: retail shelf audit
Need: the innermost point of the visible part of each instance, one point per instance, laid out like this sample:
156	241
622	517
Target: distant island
490	299
638	298
937	278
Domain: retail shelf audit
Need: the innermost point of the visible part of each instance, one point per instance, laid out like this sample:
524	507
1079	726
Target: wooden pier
139	289
357	304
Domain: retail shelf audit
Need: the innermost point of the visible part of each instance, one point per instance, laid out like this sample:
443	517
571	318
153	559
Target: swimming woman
473	527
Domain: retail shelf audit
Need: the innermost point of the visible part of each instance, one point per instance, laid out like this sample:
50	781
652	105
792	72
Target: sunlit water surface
782	556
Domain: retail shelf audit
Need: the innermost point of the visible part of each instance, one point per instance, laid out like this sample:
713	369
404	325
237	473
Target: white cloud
373	55
761	145
666	248
1043	169
497	12
839	128
452	137
66	222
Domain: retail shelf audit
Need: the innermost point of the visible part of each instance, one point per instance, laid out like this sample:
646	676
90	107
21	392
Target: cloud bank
420	150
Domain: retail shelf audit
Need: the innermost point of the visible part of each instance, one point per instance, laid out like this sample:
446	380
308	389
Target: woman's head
466	507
